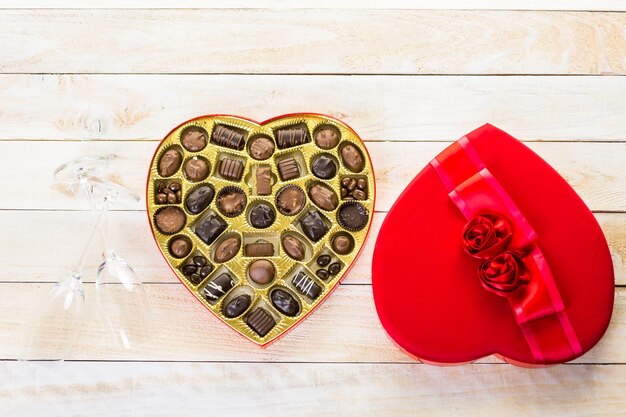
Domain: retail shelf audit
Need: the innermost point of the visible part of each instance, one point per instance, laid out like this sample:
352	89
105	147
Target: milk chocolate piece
261	321
263	180
285	302
288	168
290	200
313	226
236	306
231	201
193	138
262	216
218	287
170	162
168	193
290	137
352	216
231	169
306	286
261	148
170	220
210	228
199	199
258	249
353	188
352	158
227	249
324	167
342	243
326	136
196	169
261	271
293	247
228	136
180	247
323	197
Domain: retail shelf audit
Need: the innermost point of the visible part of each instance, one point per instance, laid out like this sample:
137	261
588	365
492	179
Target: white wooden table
408	77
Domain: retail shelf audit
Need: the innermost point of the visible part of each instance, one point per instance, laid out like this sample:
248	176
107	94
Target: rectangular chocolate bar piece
263	180
261	321
306	285
260	248
231	169
288	169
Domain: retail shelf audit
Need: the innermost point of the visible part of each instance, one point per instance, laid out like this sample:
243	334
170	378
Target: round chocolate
261	271
290	200
170	162
352	216
227	249
231	201
170	220
199	199
236	306
285	302
180	247
324	167
324	197
327	136
196	169
352	158
193	138
293	247
342	243
262	216
261	148
323	260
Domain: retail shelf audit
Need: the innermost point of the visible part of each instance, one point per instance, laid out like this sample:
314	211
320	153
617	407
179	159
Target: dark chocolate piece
290	137
231	201
288	168
324	167
322	273
259	248
293	247
180	247
199	199
262	216
353	188
261	148
228	137
323	260
193	138
227	249
326	136
334	268
197	270
323	197
342	243
231	169
170	220
261	271
237	306
290	200
170	162
218	287
263	180
306	285
313	226
352	158
285	302
197	169
210	228
352	216
261	321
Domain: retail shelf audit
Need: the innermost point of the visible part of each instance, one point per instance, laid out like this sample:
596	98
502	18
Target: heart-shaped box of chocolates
261	221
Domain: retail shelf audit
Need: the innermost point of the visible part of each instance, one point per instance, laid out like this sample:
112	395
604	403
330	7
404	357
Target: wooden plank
365	390
29	238
581	5
380	108
345	328
344	41
595	170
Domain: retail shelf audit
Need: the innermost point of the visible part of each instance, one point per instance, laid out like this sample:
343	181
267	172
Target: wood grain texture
312	41
345	328
379	108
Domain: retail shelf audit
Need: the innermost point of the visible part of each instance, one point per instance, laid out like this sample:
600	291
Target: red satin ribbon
537	306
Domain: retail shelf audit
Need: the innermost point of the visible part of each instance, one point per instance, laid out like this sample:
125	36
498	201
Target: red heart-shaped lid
490	251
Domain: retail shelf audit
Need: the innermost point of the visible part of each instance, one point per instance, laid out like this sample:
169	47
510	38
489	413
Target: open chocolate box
260	221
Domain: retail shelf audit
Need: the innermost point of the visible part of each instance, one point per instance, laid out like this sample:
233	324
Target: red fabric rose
504	273
486	235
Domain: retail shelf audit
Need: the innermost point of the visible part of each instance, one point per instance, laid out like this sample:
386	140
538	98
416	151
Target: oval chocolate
323	197
352	158
237	306
199	199
293	247
285	302
227	249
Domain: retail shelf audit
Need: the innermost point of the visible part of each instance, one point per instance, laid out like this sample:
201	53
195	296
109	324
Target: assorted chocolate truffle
199	199
352	158
231	201
170	220
306	286
193	138
353	188
284	302
180	246
327	136
288	168
290	200
323	197
261	272
342	243
261	321
227	249
313	225
258	249
210	228
170	162
231	169
292	136
352	216
262	215
228	137
196	169
237	306
293	247
168	193
218	287
261	148
197	269
324	167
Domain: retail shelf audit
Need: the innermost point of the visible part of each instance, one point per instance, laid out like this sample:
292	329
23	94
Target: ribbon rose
504	273
486	235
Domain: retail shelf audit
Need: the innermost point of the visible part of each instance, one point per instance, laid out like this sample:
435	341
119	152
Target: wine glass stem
78	270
